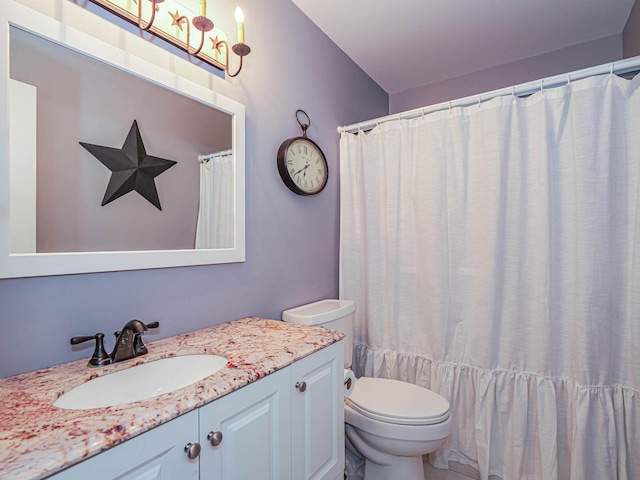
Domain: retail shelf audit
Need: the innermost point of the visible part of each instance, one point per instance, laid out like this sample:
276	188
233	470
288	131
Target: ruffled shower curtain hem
537	427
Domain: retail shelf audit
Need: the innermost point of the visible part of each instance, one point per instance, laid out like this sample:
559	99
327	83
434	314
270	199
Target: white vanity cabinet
317	415
155	455
246	433
286	426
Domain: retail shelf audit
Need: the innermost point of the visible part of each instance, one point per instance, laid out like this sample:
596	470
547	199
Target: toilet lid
397	402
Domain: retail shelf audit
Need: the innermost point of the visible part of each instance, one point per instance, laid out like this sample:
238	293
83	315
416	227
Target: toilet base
405	468
379	465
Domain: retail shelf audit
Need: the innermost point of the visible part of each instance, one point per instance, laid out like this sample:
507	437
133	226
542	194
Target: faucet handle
100	356
138	344
82	339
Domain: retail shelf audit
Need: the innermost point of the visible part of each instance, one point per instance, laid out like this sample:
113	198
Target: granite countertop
38	439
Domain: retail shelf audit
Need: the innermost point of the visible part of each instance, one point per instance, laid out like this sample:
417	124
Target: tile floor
457	471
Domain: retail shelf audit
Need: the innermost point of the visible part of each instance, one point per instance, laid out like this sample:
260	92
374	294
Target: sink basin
143	381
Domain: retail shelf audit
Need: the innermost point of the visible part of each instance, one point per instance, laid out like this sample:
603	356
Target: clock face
302	166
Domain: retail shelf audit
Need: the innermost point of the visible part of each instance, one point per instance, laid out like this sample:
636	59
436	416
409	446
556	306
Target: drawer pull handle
193	450
302	386
215	438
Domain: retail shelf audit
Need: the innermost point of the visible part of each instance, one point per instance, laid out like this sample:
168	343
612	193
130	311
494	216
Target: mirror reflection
59	98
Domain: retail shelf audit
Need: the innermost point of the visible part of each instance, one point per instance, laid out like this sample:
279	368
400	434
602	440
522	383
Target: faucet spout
135	325
128	342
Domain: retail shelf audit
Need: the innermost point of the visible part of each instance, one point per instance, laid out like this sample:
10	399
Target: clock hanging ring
301	163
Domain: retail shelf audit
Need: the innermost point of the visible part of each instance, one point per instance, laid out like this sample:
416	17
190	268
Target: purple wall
631	33
561	61
292	241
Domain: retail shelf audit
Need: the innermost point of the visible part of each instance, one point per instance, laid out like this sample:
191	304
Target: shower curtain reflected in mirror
215	227
493	252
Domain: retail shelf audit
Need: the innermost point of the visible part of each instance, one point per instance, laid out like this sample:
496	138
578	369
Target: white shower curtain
493	252
216	213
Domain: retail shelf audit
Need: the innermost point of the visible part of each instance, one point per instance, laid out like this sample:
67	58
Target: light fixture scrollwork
169	27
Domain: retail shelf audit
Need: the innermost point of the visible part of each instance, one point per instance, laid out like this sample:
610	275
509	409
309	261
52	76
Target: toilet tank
331	314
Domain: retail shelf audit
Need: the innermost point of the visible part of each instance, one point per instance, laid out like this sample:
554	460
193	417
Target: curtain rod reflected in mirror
211	156
163	18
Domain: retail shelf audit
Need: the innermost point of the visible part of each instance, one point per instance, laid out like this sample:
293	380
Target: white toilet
389	423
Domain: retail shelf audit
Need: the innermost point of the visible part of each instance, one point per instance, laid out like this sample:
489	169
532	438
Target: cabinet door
317	415
154	455
255	428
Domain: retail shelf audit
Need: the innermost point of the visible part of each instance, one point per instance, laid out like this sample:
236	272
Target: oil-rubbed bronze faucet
125	340
128	343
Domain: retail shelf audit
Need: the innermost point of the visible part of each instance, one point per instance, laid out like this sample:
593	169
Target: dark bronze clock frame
282	159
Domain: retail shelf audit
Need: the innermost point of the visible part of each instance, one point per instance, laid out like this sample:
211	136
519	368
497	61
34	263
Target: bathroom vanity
275	410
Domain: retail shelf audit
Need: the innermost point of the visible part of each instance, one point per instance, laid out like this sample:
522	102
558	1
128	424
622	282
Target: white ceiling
403	44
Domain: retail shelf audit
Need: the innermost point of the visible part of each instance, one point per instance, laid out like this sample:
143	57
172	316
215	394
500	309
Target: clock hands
302	169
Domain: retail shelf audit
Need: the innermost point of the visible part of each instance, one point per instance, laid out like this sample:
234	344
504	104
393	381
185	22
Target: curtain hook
450	110
542	85
568	78
423	114
611	70
479	100
513	93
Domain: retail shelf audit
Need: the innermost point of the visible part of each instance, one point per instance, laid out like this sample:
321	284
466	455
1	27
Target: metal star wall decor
131	167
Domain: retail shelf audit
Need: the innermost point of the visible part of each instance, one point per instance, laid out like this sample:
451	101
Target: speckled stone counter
38	439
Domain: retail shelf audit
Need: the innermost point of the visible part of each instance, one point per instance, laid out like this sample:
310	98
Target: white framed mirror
60	87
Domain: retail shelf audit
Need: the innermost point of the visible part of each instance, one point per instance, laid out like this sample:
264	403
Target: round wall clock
301	163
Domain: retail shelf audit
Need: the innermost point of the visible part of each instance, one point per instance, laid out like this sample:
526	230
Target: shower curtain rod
619	68
206	158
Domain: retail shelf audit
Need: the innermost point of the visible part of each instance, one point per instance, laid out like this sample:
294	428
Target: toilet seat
396	402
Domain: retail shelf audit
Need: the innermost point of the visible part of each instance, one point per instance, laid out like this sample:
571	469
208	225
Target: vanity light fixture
171	21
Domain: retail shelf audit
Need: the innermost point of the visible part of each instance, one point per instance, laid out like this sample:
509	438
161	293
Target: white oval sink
143	381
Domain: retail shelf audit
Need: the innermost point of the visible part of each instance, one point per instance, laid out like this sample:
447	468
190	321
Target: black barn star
131	167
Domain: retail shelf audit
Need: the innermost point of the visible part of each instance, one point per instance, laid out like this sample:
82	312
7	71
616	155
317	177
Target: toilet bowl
391	424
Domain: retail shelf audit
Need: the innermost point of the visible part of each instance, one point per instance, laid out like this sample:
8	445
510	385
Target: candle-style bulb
203	8
239	15
240	24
